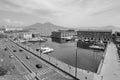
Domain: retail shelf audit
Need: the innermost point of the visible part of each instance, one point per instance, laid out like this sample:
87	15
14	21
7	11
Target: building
57	40
65	34
95	35
26	35
117	37
2	29
14	29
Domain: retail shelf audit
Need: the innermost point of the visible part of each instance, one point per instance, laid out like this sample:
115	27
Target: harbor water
66	52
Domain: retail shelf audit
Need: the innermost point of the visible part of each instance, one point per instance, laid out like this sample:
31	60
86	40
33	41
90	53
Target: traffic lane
33	58
29	62
26	76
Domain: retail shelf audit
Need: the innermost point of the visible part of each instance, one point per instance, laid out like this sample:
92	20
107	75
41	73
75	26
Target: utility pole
76	58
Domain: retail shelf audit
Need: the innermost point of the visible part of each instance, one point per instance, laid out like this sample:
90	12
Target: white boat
97	47
45	50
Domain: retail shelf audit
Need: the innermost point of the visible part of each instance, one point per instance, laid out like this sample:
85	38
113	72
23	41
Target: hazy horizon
66	13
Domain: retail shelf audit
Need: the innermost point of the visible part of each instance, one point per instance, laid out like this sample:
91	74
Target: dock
111	65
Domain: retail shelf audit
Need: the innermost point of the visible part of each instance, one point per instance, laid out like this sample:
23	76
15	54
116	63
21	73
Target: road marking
33	75
42	72
46	78
30	77
26	77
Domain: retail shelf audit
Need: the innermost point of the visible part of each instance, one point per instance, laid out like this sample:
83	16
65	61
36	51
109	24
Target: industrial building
95	35
65	34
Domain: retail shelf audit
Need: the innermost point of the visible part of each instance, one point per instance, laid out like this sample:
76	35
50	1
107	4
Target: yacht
98	47
45	50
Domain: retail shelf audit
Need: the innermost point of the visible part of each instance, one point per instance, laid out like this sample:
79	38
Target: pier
111	65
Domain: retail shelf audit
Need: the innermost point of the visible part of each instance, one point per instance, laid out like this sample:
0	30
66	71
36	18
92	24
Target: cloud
54	7
9	21
74	12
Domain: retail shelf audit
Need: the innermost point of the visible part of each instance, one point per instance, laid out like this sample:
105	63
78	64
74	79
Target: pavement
44	73
111	65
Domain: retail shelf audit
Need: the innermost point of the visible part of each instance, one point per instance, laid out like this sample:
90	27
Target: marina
87	59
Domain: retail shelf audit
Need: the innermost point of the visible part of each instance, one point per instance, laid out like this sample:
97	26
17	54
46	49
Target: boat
97	47
84	44
118	46
45	50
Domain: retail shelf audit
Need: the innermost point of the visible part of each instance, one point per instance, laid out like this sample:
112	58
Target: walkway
111	65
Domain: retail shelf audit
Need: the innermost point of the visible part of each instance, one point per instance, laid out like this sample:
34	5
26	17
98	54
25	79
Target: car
20	50
37	49
14	51
27	57
38	66
5	49
11	56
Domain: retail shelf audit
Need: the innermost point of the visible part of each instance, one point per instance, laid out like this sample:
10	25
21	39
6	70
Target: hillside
45	28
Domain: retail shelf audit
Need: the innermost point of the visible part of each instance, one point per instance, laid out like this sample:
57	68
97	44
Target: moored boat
96	47
84	44
45	50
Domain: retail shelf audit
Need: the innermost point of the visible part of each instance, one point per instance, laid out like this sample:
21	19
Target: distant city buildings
94	35
25	35
91	35
14	29
2	29
65	34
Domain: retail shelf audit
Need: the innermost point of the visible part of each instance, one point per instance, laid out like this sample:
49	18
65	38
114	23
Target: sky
67	13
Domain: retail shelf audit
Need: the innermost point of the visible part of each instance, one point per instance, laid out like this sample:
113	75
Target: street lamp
76	58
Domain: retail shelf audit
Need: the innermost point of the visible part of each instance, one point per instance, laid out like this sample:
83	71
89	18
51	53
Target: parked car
38	66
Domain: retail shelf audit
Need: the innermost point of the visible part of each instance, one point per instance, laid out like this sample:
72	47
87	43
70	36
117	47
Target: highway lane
29	62
21	56
44	73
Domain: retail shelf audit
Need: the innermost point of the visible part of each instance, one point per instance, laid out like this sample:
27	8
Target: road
44	73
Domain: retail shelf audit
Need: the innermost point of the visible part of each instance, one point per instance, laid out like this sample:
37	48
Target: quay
108	68
111	65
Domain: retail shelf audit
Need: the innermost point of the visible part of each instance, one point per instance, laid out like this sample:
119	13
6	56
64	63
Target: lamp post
76	58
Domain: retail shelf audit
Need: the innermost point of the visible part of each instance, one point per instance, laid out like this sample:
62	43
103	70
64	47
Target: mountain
44	28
